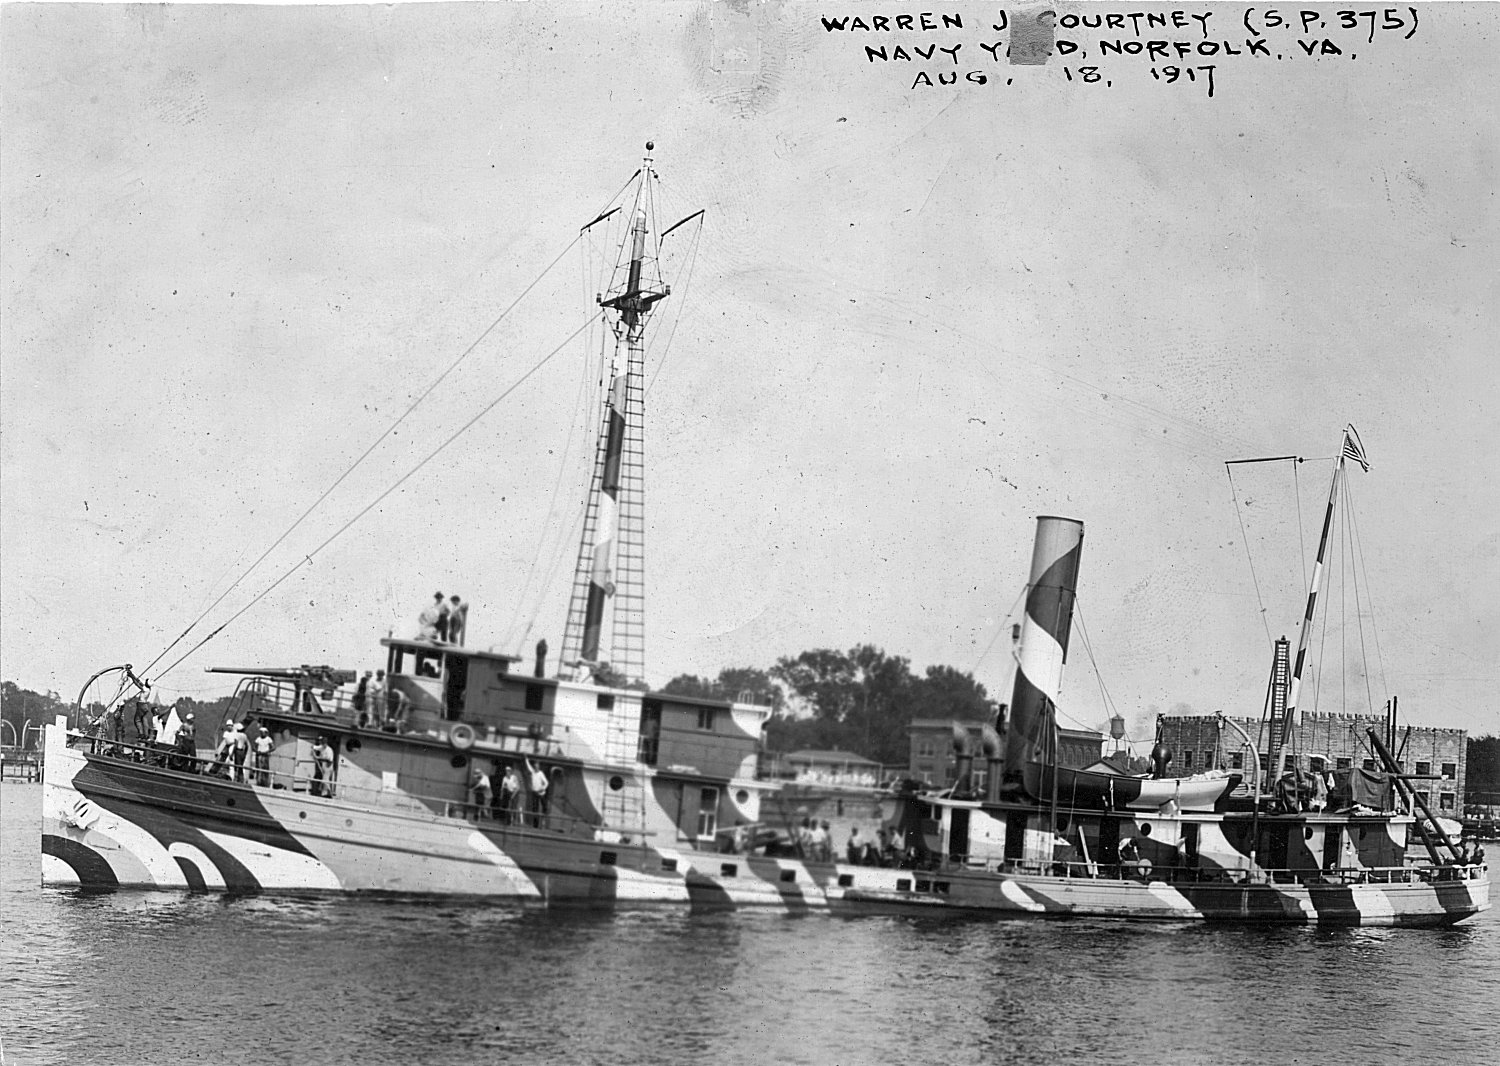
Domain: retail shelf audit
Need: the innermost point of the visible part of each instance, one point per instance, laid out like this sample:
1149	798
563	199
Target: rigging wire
363	456
1245	540
1004	625
604	212
377	500
1369	594
1088	646
1355	559
682	286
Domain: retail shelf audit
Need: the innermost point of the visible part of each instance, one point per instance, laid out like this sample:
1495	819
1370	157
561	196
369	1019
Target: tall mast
1352	449
611	554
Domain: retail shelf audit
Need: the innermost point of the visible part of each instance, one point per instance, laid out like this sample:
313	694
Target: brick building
1338	741
933	761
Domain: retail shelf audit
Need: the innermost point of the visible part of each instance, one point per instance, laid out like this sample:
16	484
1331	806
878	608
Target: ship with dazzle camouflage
568	781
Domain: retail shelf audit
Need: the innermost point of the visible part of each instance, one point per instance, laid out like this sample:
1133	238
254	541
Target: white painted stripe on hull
276	867
520	884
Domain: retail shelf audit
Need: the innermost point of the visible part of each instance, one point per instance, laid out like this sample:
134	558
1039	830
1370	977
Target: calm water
168	977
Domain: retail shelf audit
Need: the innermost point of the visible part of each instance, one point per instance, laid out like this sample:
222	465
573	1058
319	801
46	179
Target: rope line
378	499
1249	557
363	456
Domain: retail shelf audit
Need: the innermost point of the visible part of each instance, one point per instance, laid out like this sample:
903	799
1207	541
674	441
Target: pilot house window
533	697
706	718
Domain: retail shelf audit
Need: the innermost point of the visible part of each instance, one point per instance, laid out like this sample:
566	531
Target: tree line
861	700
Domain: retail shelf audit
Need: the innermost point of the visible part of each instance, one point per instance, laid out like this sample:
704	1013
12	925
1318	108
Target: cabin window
1317	764
1368	764
1424	795
1265	762
607	858
788	876
533	697
903	884
925	749
1423	769
1445	801
1237	761
1343	763
1289	763
1187	760
606	702
729	869
1450	770
706	718
846	880
669	864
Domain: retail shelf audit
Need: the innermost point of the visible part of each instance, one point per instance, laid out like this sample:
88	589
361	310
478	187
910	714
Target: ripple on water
319	980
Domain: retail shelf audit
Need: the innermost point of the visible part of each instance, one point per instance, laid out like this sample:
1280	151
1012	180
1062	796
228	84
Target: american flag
1354	450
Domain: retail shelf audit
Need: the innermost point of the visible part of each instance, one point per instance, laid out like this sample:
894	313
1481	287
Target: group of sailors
162	736
504	803
378	705
814	840
444	620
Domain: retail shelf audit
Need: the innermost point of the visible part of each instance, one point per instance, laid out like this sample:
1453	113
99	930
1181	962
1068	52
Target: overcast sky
238	242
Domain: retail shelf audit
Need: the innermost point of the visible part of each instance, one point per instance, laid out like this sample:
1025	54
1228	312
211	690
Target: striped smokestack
1044	643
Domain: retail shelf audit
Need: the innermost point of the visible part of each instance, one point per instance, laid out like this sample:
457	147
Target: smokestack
1044	644
964	771
994	758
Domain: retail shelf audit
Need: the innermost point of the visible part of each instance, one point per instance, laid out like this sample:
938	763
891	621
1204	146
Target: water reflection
155	977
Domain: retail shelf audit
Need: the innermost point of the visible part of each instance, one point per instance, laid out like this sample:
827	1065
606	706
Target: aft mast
1352	449
611	553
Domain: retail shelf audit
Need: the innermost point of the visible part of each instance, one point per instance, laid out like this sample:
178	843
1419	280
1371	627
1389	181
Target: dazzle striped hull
110	823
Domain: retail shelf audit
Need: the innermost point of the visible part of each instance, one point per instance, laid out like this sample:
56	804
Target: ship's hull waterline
112	824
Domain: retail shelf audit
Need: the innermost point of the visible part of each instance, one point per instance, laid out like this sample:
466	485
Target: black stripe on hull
92	869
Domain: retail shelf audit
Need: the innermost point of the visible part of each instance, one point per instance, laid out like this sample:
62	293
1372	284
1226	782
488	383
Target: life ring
461	736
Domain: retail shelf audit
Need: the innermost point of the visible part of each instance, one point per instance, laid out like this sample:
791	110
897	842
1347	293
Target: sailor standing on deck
222	752
510	794
263	746
427	621
187	745
322	754
239	750
538	793
479	790
458	619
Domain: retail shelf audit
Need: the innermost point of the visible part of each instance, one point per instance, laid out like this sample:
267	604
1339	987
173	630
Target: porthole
742	796
349	822
458	762
1145	830
230	801
616	782
302	815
